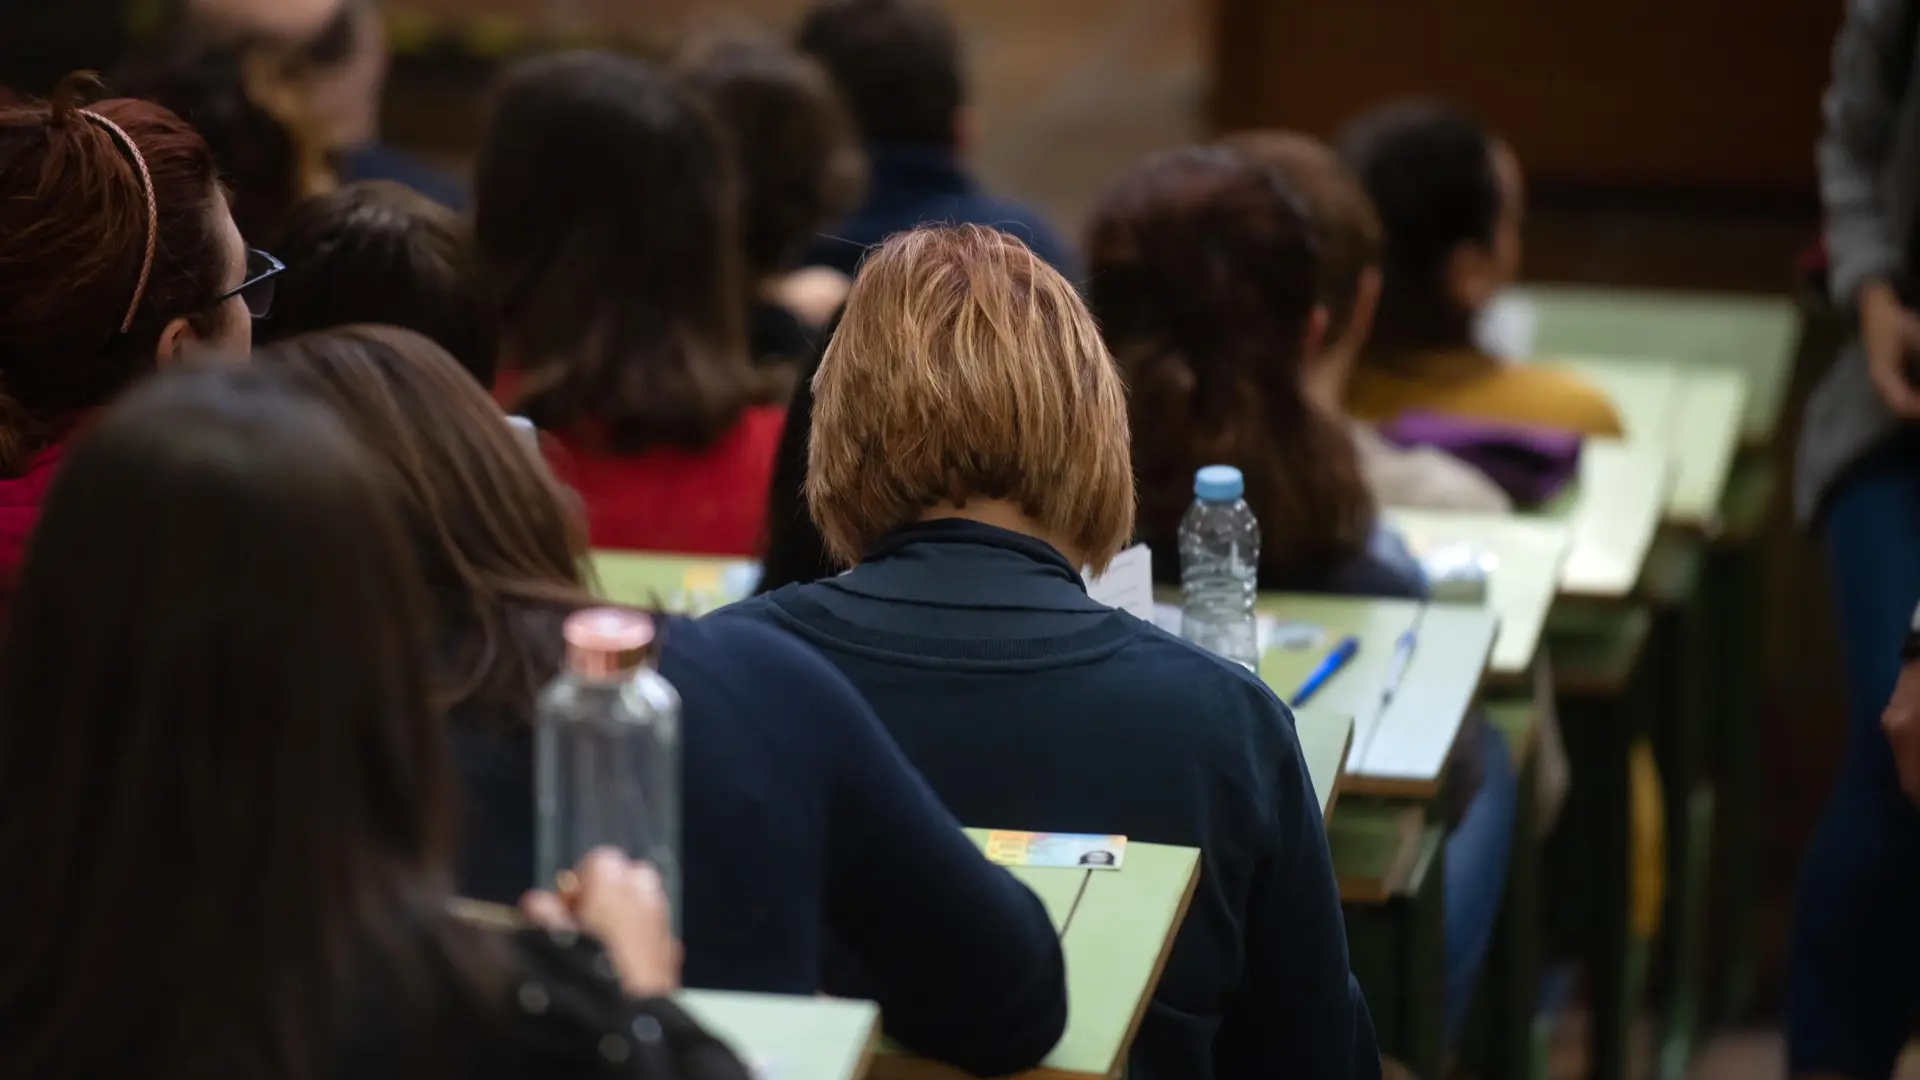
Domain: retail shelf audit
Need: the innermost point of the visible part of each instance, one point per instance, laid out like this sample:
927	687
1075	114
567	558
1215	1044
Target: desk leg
1735	595
1683	658
1598	733
1397	952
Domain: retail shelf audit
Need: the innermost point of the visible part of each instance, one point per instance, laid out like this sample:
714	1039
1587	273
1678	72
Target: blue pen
1402	652
1328	667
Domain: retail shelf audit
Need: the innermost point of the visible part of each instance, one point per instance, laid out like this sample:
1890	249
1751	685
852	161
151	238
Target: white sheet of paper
1127	584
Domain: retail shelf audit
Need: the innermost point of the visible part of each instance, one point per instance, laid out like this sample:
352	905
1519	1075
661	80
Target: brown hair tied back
114	227
64	106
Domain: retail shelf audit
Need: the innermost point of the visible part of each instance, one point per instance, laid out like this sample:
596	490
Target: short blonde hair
965	367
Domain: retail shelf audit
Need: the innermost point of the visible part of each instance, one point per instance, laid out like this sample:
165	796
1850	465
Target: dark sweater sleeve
1299	1001
962	957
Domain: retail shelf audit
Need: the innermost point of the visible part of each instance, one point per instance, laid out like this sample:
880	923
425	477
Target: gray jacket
1870	183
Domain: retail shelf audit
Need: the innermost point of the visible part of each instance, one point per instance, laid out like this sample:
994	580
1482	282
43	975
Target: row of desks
1684	425
1115	927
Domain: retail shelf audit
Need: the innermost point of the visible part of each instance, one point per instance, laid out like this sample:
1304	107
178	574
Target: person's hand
813	294
1890	334
622	903
1901	721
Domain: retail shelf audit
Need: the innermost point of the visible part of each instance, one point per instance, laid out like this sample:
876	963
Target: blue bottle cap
1218	483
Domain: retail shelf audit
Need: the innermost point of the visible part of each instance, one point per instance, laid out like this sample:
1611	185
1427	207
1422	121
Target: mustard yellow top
1471	384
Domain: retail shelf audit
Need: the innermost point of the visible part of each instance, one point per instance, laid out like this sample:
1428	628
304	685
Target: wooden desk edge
869	1050
1159	967
1339	777
1495	681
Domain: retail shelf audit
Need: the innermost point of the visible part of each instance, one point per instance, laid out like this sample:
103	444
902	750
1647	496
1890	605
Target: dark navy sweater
1029	706
909	186
806	835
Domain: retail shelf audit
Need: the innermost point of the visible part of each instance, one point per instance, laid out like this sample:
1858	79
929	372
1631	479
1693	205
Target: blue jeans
1476	867
1854	967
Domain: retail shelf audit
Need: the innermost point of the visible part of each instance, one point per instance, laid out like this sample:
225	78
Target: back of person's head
246	101
338	50
1346	230
964	367
379	252
217	759
1204	277
492	528
118	252
606	219
800	164
897	63
1448	197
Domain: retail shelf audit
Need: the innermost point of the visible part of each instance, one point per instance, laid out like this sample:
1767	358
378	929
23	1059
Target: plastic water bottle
607	751
1220	567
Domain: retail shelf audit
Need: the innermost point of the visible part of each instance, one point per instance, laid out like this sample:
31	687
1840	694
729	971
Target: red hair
73	208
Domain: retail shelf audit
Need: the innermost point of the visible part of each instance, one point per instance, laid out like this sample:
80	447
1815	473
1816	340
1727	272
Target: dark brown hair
217	763
379	252
606	216
73	207
897	63
1346	231
800	163
247	100
493	531
1203	275
1429	169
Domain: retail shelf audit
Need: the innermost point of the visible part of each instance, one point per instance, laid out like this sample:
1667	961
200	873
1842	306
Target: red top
20	498
689	502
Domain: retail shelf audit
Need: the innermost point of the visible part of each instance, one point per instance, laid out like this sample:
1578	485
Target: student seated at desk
1204	275
800	169
229	804
1451	198
969	451
1346	235
122	259
899	66
606	220
380	252
803	825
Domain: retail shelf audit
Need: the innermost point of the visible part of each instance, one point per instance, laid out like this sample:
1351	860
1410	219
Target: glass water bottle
607	751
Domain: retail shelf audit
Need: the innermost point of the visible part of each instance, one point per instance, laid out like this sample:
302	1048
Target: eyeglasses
257	289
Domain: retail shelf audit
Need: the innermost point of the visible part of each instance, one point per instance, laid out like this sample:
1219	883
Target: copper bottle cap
603	643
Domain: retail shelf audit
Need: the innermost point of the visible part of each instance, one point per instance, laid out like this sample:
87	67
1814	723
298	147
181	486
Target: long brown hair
1429	169
1203	277
606	213
73	211
226	816
494	533
800	162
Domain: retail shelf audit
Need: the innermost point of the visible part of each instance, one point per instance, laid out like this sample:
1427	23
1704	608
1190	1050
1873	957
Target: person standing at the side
1853	992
